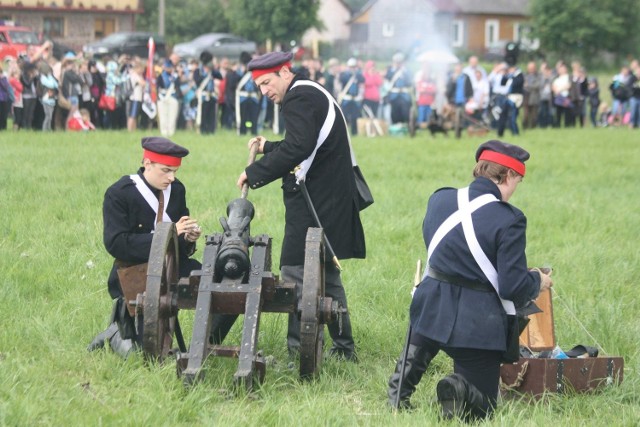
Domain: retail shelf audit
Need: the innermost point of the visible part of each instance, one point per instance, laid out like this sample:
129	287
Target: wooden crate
539	376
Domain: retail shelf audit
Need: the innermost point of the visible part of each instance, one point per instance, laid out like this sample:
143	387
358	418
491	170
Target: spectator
372	84
531	101
29	96
16	84
80	120
620	89
479	103
6	99
138	83
399	81
594	100
634	101
96	89
545	114
425	94
579	92
112	81
48	95
561	88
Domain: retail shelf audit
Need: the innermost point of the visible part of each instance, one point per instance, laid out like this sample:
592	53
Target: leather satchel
133	281
365	198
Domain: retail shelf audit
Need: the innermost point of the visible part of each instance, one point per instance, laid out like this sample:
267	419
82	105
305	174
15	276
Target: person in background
372	83
399	82
477	274
545	112
16	84
49	90
80	120
634	101
29	79
134	103
350	98
594	100
425	94
531	100
6	99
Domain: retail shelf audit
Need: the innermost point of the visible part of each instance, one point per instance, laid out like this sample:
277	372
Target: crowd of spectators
76	93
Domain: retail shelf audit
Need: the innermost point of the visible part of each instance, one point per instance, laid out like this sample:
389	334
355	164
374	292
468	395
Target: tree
585	28
184	19
276	20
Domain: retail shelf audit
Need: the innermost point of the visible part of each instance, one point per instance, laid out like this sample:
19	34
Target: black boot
122	347
461	399
415	365
100	339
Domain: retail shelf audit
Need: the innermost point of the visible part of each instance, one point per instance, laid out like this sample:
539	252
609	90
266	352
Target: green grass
580	195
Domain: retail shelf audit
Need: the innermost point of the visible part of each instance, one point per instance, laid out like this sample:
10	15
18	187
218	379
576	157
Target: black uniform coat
330	181
129	224
462	317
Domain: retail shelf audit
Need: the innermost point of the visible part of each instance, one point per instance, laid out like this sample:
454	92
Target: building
474	26
73	22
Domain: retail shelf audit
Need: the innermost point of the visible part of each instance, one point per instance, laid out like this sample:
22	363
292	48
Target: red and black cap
503	154
161	150
270	62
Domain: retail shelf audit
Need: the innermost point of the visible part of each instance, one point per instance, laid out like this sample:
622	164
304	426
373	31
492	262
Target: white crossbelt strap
463	216
151	199
301	173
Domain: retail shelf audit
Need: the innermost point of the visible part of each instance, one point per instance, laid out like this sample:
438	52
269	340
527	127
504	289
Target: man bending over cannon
314	163
132	208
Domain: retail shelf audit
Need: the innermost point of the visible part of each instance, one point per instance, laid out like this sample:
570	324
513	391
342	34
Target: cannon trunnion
233	281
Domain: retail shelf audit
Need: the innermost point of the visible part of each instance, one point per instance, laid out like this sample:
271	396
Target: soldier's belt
459	281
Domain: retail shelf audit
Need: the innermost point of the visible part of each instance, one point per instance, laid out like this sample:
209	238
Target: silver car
218	44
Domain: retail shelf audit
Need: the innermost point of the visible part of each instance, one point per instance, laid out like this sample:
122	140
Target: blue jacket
462	317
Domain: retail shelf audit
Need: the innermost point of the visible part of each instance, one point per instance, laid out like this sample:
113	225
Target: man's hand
260	140
242	179
545	279
189	227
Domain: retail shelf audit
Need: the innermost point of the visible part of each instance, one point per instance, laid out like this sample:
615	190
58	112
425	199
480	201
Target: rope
519	378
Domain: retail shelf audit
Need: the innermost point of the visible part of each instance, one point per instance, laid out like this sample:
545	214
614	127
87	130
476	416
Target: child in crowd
80	120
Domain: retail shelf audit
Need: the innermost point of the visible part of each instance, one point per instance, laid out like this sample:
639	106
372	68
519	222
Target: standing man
477	274
400	84
350	98
132	207
324	169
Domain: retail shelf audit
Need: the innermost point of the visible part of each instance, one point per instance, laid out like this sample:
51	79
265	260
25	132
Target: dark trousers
351	110
209	116
28	111
479	367
249	111
400	108
5	109
342	340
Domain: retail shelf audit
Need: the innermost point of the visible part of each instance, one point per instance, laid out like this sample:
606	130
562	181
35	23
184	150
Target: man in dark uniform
132	207
477	274
325	171
350	98
399	81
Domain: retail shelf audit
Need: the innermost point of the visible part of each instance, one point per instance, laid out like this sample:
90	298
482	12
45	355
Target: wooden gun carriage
232	281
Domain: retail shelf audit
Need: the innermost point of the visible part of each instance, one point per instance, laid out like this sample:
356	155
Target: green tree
275	20
585	28
184	19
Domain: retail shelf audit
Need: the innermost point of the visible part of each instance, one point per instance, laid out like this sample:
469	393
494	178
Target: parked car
125	43
218	44
15	39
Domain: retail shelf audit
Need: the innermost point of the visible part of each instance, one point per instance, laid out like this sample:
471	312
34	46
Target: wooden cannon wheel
311	328
163	272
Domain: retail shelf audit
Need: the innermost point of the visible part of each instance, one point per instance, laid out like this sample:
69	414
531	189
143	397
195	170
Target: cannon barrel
232	260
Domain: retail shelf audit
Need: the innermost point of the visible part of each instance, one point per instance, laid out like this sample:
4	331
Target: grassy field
583	206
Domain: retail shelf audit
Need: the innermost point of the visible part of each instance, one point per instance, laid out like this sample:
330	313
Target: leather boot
122	348
461	399
99	340
415	365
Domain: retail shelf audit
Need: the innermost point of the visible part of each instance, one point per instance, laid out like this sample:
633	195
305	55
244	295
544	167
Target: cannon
235	278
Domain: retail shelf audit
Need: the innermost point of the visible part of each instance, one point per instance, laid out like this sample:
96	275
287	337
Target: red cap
257	73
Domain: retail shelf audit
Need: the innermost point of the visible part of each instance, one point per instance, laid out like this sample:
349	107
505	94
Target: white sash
151	199
463	216
301	172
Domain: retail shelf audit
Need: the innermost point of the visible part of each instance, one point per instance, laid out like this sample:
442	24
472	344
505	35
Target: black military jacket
461	317
330	179
129	224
